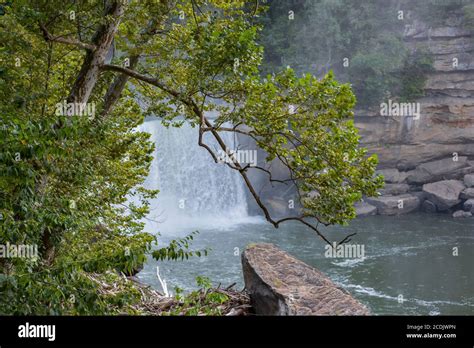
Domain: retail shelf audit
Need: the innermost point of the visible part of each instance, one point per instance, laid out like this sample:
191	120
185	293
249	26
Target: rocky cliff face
436	147
446	123
424	159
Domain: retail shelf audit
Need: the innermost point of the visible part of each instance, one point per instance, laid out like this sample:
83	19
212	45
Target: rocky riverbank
444	186
428	162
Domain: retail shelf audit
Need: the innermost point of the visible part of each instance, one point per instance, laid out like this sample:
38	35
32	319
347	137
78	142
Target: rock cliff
421	158
446	124
433	148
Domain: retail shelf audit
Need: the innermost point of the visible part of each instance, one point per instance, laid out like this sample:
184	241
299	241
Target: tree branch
206	125
67	41
115	89
151	80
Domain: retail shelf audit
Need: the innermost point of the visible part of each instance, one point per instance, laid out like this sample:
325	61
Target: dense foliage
67	183
361	41
73	184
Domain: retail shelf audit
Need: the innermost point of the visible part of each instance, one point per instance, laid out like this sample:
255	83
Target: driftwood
155	303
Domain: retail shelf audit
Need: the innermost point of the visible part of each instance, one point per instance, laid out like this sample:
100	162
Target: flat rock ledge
279	284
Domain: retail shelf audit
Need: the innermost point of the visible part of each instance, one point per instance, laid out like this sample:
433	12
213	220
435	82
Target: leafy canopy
73	185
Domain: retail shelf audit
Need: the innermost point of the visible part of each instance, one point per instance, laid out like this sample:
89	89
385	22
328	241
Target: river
416	264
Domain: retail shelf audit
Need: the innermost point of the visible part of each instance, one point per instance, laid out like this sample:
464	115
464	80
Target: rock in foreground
279	284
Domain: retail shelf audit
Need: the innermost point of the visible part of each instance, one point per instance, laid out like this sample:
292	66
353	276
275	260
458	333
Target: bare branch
347	239
249	185
205	126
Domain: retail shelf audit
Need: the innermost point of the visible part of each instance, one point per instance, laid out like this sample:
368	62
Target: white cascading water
195	192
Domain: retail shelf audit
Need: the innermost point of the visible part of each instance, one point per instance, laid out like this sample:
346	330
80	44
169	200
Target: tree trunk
85	83
103	38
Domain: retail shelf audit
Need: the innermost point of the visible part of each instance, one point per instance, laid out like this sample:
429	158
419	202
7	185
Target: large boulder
392	175
394	189
469	180
469	205
395	205
428	207
439	170
444	194
467	193
279	284
364	209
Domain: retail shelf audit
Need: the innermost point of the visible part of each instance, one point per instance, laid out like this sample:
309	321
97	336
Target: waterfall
195	192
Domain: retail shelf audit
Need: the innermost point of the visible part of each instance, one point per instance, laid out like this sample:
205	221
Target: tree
69	191
361	41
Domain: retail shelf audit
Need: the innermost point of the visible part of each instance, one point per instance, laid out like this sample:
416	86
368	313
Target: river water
416	264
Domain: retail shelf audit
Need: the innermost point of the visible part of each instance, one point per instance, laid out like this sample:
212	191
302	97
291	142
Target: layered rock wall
425	159
446	124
